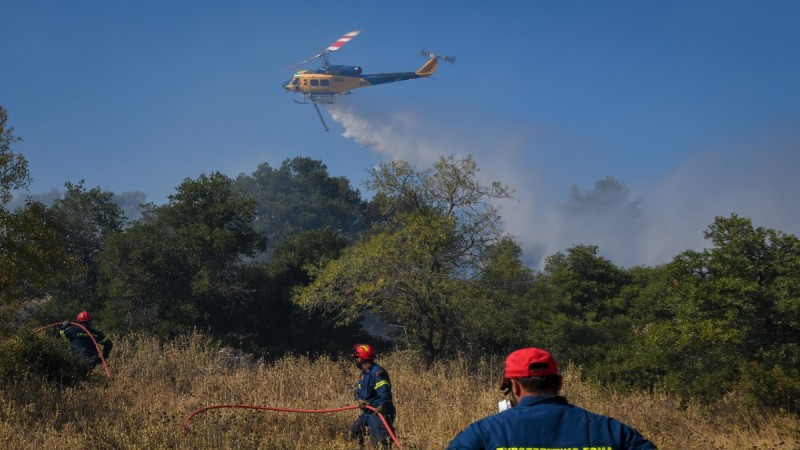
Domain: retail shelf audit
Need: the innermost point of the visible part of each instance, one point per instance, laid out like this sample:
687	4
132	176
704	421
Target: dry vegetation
156	387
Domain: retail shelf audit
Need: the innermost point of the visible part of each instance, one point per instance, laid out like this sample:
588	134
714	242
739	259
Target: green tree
31	252
184	264
31	257
13	167
85	219
278	324
585	315
734	320
413	271
300	195
500	311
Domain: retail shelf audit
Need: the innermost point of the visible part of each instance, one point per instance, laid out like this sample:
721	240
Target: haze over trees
290	259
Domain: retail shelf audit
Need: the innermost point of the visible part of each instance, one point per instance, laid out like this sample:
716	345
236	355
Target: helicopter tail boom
426	70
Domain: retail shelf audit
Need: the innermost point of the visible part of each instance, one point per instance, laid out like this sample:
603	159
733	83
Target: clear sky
692	108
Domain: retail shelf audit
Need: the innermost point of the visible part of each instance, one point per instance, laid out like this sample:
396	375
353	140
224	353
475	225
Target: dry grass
156	387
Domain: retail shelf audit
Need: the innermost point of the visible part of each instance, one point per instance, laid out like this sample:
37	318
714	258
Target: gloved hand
65	324
379	409
362	404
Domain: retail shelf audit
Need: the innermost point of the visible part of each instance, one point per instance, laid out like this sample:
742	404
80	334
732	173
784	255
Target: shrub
28	355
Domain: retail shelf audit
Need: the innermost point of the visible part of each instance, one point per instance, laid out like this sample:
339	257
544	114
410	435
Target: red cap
530	362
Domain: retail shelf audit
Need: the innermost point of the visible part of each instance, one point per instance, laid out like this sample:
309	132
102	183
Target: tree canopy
413	270
181	266
300	196
13	166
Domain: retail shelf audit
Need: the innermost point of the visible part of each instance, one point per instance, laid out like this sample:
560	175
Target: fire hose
263	408
96	345
311	411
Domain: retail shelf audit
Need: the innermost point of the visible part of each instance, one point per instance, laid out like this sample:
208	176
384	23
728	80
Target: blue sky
692	107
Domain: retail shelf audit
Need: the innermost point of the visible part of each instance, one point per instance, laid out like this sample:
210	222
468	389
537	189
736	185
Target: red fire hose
96	345
311	411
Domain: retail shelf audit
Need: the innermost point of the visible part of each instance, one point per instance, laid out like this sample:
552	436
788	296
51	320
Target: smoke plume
563	199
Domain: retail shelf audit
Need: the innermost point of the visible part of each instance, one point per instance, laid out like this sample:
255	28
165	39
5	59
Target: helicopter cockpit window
325	82
315	82
296	81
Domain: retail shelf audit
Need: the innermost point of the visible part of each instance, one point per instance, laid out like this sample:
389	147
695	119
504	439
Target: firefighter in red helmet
373	389
82	344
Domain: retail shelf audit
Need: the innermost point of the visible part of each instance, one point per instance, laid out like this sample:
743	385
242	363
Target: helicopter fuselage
323	85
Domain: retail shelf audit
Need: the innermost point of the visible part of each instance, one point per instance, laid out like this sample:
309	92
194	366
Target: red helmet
363	351
84	316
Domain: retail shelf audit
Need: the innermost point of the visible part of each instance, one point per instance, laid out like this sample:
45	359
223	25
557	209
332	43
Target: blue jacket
82	344
374	388
548	423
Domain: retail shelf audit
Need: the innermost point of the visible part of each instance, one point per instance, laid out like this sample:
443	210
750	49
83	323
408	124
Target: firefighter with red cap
538	417
373	389
82	344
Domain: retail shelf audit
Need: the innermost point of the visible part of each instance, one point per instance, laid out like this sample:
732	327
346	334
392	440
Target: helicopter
325	84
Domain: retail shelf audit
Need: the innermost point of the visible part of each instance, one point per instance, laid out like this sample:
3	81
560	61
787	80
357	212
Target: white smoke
563	200
396	136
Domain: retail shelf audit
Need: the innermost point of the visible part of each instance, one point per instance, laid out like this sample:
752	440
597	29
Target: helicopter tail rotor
427	54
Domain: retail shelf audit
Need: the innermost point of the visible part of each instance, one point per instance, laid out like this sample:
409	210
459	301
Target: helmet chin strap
361	362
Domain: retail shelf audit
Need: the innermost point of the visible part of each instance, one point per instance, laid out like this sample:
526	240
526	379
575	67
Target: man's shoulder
377	369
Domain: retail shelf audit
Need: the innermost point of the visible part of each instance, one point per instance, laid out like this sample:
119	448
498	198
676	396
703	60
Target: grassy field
155	388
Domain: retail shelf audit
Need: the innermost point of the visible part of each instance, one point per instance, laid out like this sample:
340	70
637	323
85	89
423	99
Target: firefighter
81	343
540	418
373	389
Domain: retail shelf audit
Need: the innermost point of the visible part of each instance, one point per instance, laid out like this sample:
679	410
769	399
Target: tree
584	314
30	249
278	324
184	264
13	167
300	195
414	269
31	257
734	317
85	219
501	311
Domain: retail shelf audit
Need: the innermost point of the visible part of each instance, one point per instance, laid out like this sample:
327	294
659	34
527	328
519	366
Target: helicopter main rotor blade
331	48
342	40
306	61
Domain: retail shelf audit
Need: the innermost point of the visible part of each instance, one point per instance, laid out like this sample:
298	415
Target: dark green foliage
727	321
184	264
299	196
498	316
287	327
582	290
85	219
28	355
32	259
